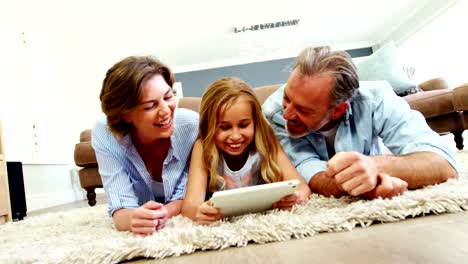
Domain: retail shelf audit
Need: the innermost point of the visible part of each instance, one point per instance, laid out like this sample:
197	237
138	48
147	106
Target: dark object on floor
17	193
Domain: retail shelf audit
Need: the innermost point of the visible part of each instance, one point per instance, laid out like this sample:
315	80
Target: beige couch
445	110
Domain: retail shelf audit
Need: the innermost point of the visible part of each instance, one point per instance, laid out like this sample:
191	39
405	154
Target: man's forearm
327	186
417	169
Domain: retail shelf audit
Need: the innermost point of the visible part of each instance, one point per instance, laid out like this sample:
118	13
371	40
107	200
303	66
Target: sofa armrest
263	92
460	97
84	155
434	84
432	103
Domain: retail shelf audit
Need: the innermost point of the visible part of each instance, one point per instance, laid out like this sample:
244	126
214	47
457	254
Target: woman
143	144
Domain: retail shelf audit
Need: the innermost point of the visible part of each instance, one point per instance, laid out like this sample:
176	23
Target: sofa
445	110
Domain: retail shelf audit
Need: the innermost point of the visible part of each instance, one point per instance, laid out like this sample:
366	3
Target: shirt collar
349	112
173	151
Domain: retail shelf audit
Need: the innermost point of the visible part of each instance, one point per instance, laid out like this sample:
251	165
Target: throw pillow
384	65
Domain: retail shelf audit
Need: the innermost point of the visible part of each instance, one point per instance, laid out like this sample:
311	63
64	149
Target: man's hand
148	218
387	187
207	214
354	172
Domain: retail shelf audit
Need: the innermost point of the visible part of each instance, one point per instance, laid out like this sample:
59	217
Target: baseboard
45	200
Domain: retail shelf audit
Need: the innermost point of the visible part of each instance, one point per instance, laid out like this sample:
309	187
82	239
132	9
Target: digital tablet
252	199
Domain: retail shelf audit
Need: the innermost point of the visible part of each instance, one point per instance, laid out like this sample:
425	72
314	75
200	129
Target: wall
439	48
52	68
54	55
256	74
50	185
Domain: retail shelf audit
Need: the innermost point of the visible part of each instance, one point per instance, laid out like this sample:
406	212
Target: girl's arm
194	206
173	208
290	173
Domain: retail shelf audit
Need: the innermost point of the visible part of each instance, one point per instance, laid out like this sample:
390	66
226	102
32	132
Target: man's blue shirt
375	116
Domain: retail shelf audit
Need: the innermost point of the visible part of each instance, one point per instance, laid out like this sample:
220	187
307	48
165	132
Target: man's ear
339	110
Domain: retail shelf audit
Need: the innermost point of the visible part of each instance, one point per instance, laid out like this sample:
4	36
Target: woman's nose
164	108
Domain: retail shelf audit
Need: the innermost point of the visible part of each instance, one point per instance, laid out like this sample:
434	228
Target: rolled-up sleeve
404	130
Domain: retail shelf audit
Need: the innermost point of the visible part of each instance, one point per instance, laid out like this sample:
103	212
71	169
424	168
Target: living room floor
430	239
100	198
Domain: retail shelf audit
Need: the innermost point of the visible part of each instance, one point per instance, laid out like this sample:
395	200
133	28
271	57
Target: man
333	131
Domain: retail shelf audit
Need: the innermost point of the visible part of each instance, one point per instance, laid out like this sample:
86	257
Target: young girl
236	147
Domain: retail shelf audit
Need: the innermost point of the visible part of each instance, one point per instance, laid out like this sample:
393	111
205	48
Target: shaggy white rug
87	236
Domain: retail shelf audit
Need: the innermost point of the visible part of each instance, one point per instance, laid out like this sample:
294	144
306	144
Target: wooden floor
100	198
429	239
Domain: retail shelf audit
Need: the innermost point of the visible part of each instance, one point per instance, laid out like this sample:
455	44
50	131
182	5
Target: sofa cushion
192	103
434	84
384	65
85	136
263	92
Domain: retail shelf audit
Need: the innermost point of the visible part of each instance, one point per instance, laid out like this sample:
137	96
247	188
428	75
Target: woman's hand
207	214
148	218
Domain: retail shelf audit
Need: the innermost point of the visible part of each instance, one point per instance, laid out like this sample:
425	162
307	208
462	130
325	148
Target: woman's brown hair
121	88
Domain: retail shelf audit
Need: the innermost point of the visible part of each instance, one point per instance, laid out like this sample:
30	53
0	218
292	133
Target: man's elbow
321	184
447	172
451	173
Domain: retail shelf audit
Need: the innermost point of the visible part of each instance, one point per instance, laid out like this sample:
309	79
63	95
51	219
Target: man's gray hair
317	60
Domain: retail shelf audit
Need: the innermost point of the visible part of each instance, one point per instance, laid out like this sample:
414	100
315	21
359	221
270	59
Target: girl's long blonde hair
217	98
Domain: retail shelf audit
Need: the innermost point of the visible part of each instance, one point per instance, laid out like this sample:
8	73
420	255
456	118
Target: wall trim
50	199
